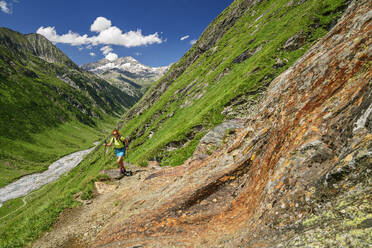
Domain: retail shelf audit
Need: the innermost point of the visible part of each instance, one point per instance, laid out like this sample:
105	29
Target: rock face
298	173
44	49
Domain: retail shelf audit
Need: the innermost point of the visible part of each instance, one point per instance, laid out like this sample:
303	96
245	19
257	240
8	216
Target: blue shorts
120	152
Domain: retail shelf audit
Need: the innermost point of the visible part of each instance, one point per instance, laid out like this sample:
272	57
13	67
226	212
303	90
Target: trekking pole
126	154
104	155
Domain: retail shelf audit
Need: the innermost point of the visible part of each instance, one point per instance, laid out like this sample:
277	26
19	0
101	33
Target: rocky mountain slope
34	44
294	173
127	74
42	89
224	74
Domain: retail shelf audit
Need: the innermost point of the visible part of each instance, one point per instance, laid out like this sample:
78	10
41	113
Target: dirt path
78	227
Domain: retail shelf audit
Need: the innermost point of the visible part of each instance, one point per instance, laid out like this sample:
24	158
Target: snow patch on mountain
126	64
127	74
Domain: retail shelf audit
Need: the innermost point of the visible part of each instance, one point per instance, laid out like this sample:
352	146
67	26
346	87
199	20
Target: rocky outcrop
218	136
298	173
295	42
247	54
45	50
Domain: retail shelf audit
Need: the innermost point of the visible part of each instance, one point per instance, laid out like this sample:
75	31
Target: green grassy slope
23	224
49	106
236	68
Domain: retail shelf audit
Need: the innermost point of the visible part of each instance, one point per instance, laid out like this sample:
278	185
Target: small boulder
113	174
154	165
295	42
103	188
247	54
279	63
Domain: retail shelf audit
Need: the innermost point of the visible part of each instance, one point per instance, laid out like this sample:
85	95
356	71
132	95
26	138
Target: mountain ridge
127	73
44	49
122	62
36	44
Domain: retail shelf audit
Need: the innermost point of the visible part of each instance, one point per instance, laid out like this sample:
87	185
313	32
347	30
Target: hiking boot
128	173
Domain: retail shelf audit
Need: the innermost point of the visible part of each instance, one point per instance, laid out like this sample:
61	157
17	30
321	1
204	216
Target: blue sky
149	31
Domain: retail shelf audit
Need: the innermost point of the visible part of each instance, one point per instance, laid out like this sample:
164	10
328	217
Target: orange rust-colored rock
283	167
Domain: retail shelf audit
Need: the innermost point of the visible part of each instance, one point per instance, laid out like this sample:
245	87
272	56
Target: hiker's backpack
121	141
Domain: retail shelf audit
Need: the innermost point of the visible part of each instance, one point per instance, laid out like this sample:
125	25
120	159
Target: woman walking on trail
121	146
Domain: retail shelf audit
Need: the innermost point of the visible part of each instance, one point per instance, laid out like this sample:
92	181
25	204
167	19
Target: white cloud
92	54
5	8
114	36
106	50
100	24
71	38
89	47
138	54
81	48
192	42
185	37
112	56
107	35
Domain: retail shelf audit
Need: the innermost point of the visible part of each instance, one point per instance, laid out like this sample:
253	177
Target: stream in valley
29	183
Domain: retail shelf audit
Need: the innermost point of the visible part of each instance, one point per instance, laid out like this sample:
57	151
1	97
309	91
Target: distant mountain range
127	74
33	72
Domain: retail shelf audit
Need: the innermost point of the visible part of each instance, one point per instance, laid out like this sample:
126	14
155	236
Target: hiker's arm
109	144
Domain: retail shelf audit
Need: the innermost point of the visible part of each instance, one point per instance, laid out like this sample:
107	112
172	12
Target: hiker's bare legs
120	162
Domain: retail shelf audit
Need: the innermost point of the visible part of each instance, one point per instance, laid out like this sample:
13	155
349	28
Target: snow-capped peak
126	64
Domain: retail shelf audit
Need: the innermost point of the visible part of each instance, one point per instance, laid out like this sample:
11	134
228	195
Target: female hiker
121	146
